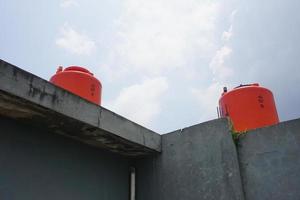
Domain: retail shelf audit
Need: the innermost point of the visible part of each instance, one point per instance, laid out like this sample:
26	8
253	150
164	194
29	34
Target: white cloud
208	97
227	34
220	70
208	100
69	3
158	35
75	42
217	65
140	102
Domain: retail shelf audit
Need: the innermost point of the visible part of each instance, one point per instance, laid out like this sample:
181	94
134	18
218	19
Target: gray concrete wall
270	162
36	164
199	162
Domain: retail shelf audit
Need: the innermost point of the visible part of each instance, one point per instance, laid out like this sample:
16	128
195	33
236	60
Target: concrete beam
30	99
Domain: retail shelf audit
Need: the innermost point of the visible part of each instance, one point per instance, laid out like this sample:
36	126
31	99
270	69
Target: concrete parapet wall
198	162
201	162
270	162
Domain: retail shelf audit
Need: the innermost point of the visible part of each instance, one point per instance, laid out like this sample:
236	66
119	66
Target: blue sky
162	63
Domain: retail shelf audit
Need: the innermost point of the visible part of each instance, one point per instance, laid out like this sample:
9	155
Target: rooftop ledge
30	99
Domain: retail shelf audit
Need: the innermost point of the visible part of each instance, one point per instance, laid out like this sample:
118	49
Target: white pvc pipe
132	183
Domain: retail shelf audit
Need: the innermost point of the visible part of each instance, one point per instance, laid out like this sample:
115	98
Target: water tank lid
245	85
79	69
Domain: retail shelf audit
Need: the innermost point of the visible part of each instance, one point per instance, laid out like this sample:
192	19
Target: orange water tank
79	81
249	107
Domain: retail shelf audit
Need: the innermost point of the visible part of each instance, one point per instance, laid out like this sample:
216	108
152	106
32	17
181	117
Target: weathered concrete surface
36	164
198	162
270	162
28	98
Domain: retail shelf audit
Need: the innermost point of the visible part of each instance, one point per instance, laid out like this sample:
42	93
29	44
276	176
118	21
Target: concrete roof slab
26	97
